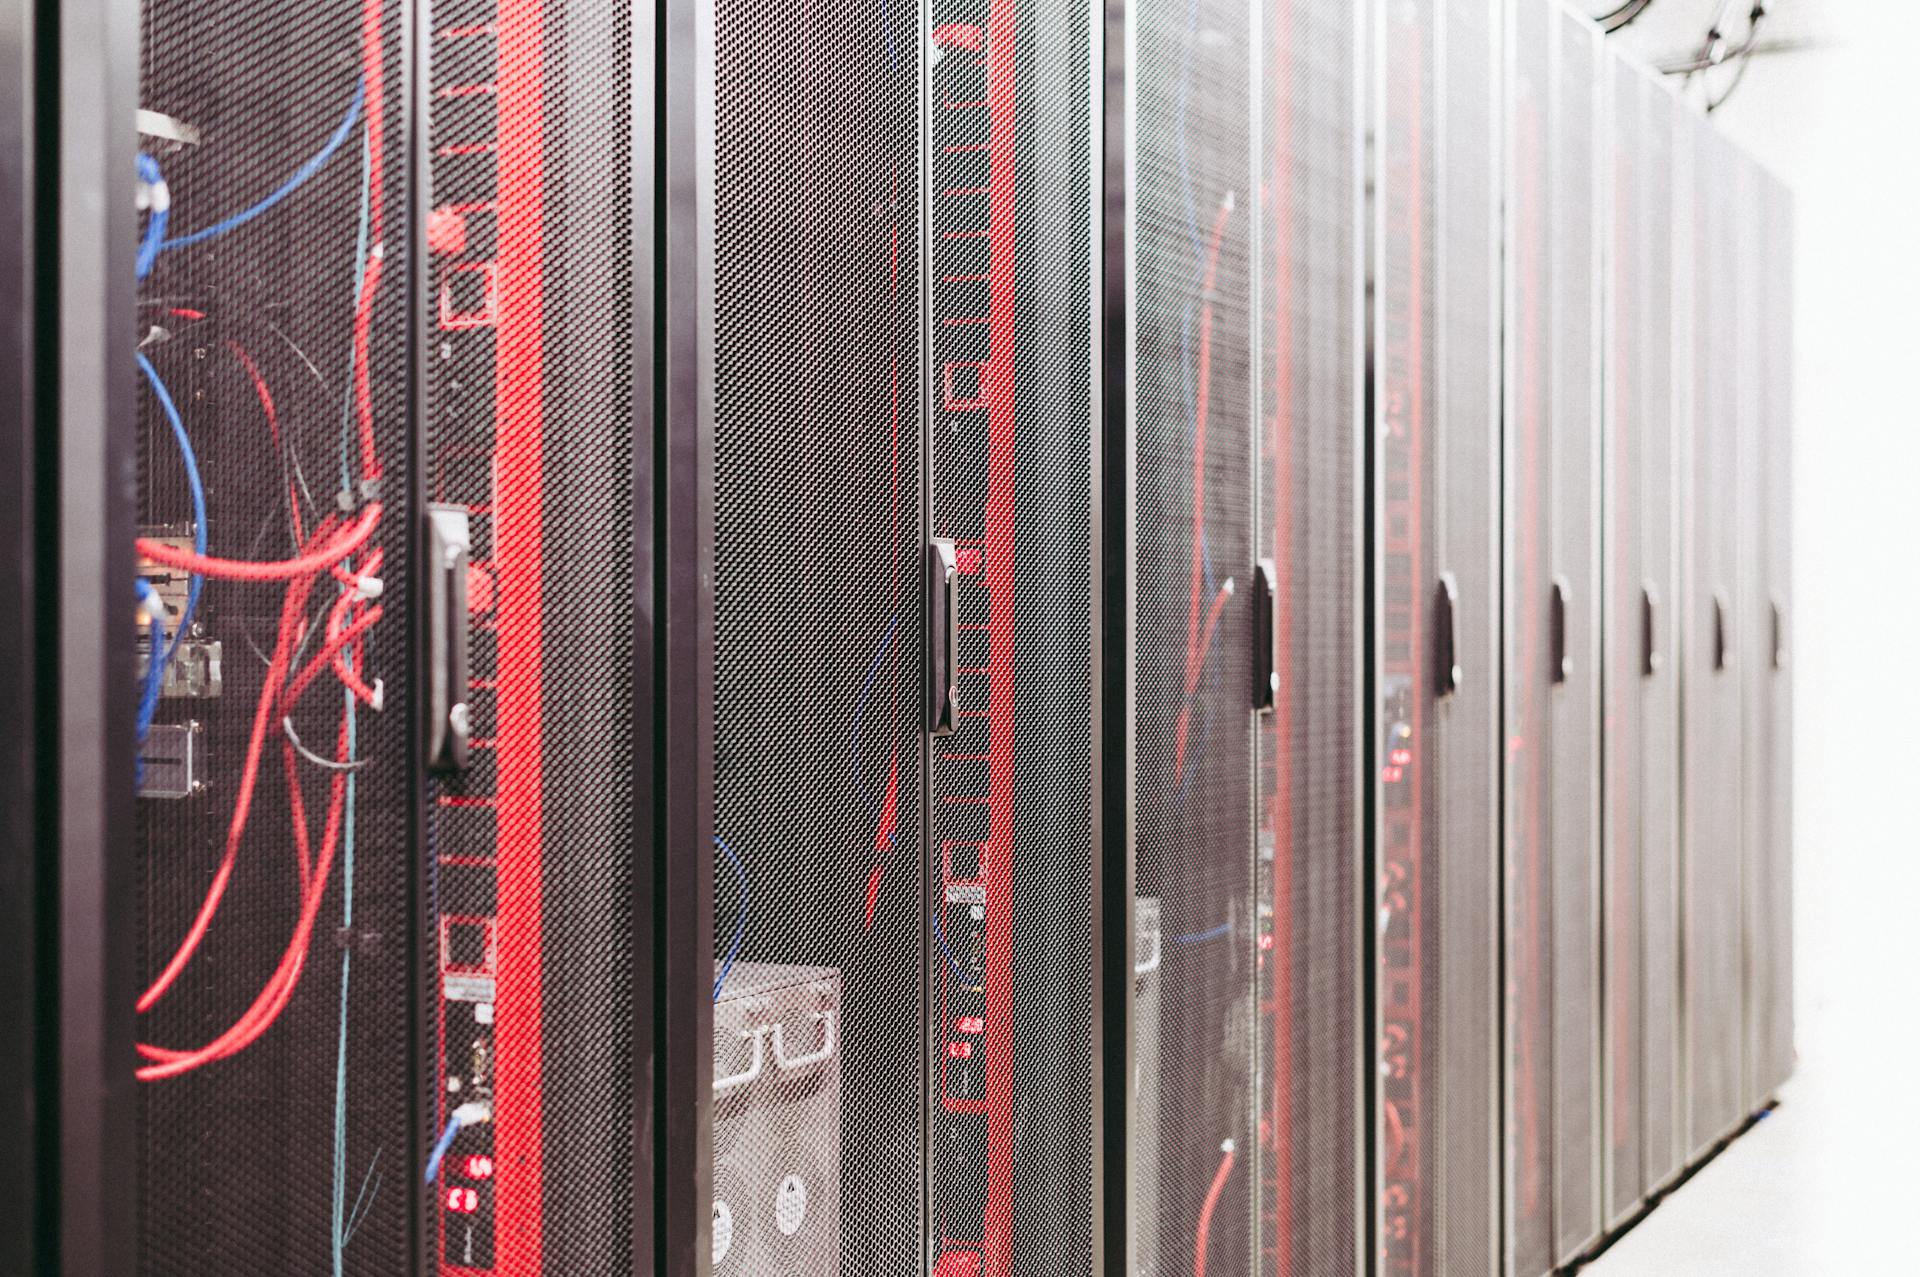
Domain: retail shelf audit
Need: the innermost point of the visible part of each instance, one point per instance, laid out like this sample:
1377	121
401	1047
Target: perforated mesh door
1436	370
1711	765
1660	338
1552	638
530	433
818	1018
1641	766
1774	933
277	329
1010	328
1311	1195
1575	459
1195	213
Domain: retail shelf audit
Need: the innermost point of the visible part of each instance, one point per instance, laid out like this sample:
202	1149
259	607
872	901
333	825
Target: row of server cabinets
994	637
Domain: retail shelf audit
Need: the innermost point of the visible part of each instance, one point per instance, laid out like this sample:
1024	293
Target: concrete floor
1827	1186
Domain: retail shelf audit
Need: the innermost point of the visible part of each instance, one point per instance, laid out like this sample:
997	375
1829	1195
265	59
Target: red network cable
348	623
1199	639
1207	1208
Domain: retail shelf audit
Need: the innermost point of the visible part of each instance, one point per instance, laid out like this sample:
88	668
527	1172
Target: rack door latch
943	631
1562	662
1446	637
1266	606
449	542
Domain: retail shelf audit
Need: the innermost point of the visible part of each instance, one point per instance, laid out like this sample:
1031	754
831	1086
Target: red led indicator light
462	1201
478	1166
959	1050
1401	757
969	1024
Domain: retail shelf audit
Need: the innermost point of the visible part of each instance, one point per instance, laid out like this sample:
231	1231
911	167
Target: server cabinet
1712	884
1437	380
810	219
391	562
1769	721
903	902
275	575
1641	764
1241	240
1312	344
1551	612
1194	221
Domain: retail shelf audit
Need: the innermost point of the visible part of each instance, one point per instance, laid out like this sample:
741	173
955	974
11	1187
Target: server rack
1712	883
1239	808
1769	743
1437	379
1641	764
1551	607
1309	760
1193	234
395	529
904	887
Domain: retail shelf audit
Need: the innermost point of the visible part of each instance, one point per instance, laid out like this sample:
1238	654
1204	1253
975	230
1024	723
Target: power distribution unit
1552	637
1239	430
1642	763
1437	393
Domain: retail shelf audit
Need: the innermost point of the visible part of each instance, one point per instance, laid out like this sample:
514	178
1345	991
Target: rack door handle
789	1063
1779	635
756	1065
1721	638
1558	623
1447	674
943	624
449	542
1649	632
1266	605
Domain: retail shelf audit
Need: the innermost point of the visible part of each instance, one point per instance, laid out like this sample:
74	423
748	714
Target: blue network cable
156	669
740	922
1212	933
194	486
287	187
158	202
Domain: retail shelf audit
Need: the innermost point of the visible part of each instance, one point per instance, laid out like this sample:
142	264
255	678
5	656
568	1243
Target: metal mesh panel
1574	449
1012	369
279	337
1437	399
530	432
1775	935
1641	759
1311	1195
1712	887
1194	220
818	1034
1659	335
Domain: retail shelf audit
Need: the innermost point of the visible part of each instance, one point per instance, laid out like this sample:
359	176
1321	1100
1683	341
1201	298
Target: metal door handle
1266	605
943	624
448	727
1446	639
1649	633
1779	635
1721	638
1562	663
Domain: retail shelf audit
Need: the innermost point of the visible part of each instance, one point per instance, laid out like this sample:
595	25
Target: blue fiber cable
441	1148
341	1228
1212	933
287	187
158	202
194	486
740	921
